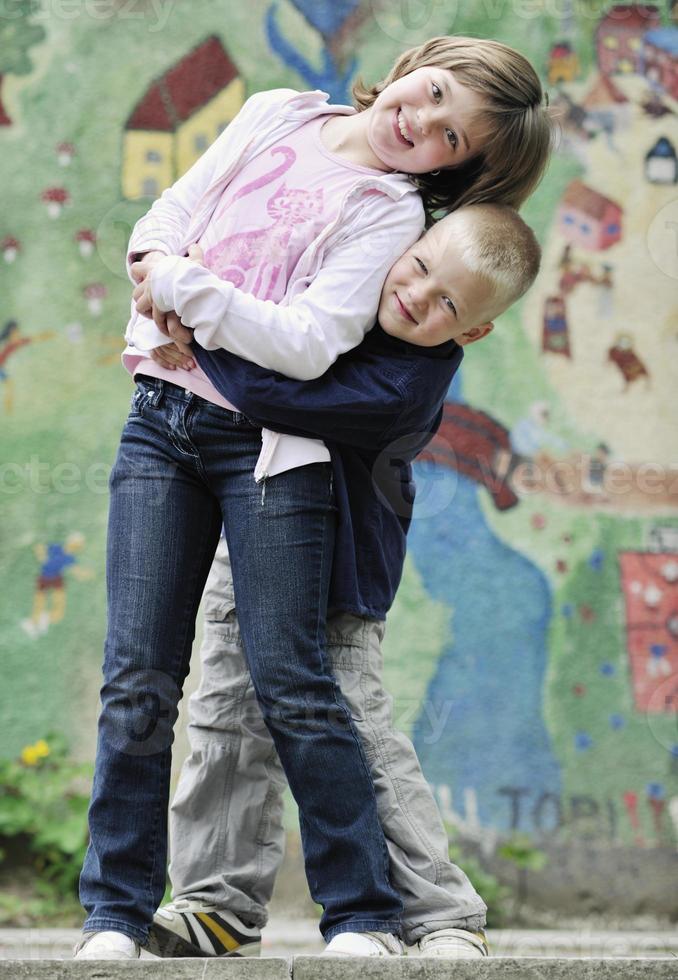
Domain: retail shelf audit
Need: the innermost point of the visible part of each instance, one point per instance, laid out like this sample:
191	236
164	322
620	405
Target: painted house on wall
619	37
660	59
588	219
650	589
661	162
604	98
178	117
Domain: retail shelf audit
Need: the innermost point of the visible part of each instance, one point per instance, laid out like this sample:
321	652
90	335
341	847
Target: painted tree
17	35
336	22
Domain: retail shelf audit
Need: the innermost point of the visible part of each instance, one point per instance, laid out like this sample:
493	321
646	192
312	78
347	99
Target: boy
376	408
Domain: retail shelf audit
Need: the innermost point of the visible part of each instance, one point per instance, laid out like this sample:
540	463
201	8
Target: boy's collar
397	345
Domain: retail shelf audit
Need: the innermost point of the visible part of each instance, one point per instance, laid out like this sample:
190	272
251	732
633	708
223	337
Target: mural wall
533	648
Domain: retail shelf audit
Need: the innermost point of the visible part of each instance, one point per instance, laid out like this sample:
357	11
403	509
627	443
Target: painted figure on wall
49	598
11	341
622	354
555	335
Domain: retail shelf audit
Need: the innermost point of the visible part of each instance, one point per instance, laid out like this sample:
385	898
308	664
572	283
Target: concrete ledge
508	968
199	969
326	968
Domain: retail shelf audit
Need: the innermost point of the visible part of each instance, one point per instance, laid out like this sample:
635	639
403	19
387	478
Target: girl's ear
474	334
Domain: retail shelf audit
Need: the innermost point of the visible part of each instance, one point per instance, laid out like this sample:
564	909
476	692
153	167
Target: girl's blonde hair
516	122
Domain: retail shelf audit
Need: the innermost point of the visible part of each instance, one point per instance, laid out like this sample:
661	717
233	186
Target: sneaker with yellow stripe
193	928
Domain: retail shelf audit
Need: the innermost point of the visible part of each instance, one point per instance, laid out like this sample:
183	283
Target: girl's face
425	121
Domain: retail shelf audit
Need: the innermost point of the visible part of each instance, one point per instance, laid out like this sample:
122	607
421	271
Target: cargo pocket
218	599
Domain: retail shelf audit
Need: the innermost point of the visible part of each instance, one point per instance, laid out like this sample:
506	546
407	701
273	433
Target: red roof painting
603	92
468	441
650	588
631	16
584	198
184	88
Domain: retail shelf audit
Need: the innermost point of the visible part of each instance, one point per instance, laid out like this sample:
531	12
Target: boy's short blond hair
499	246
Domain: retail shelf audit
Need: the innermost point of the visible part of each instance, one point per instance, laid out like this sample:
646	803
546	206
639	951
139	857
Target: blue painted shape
656	791
328	76
596	559
482	725
617	722
567	610
326	16
582	741
607	670
665	38
658	650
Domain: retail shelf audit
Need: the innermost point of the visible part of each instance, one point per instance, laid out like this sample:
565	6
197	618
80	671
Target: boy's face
430	297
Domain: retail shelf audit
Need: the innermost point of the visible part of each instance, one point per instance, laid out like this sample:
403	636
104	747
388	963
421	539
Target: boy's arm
329	317
358	402
164	226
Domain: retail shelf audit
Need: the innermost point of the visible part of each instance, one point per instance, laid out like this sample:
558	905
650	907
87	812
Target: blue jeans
183	466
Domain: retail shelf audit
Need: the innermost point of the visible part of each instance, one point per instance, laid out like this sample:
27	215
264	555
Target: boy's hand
172	356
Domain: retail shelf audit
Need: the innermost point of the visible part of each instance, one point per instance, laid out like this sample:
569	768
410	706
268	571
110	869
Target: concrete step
289	937
508	968
319	968
244	969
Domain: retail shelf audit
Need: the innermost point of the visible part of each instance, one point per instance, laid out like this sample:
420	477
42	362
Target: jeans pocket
135	404
139	398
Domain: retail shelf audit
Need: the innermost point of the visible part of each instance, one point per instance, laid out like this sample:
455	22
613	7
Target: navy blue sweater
375	408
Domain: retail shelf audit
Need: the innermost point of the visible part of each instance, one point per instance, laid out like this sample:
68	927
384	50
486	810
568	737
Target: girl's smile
425	121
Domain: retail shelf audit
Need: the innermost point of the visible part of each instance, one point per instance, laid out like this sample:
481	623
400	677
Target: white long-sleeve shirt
333	292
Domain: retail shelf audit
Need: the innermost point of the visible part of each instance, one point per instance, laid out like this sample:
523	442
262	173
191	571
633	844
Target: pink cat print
266	248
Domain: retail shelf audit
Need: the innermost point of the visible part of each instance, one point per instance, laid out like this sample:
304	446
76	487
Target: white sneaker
364	944
454	944
188	927
106	946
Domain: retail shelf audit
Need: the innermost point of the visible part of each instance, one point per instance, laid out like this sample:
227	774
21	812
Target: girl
303	207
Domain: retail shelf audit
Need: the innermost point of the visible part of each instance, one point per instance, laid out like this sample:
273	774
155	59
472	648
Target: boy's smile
430	296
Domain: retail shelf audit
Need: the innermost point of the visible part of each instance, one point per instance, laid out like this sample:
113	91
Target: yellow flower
41	748
29	756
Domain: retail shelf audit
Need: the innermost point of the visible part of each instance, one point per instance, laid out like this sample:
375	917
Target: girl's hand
142	296
171	356
142	291
196	254
142	267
